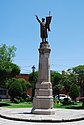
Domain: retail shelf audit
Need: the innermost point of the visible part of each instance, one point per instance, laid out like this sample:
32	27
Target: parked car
62	97
28	96
80	98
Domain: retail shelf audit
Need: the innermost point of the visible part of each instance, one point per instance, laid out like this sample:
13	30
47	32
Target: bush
28	99
21	99
66	101
74	91
81	99
16	100
0	99
15	89
18	89
23	83
4	104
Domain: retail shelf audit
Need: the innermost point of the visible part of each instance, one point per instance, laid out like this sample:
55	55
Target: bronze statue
44	27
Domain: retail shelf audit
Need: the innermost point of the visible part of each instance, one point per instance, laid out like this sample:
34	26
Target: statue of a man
44	27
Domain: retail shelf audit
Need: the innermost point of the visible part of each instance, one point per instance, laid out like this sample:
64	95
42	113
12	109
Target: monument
43	98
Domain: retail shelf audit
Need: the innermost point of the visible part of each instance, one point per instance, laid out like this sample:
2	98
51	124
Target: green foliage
78	72
74	91
78	69
24	87
72	76
33	77
28	85
28	99
17	104
4	104
23	83
66	101
15	100
21	99
55	79
7	68
7	53
0	99
15	89
18	89
66	81
14	70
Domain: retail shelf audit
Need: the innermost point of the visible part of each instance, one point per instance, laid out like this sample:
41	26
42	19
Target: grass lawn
20	105
8	104
76	105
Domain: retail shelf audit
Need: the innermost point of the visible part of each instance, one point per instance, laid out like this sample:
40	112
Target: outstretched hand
36	16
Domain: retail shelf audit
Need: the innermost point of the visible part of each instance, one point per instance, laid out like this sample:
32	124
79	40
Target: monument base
43	98
43	111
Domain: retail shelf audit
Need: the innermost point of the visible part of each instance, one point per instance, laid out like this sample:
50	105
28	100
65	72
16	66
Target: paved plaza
23	116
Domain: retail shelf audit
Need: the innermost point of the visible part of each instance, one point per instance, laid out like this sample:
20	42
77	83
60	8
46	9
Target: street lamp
33	81
0	57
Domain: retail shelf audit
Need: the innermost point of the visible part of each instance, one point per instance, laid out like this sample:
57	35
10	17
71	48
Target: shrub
21	99
66	101
81	99
4	104
74	91
24	87
15	89
0	99
28	99
16	100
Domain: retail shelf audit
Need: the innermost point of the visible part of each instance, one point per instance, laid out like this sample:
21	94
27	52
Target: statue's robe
44	26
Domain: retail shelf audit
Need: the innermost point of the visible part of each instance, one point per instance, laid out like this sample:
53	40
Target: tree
66	82
23	83
35	77
78	71
28	85
15	89
74	91
7	53
8	69
55	80
18	88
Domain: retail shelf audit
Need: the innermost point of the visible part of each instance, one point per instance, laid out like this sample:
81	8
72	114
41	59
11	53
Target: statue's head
43	19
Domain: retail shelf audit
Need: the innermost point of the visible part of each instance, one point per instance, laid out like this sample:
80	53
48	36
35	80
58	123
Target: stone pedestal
43	99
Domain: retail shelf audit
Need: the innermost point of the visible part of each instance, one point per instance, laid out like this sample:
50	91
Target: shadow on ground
4	104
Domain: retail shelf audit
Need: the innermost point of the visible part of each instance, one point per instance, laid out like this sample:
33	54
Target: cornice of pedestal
44	48
44	45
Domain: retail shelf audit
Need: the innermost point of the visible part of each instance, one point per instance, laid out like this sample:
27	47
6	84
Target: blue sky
19	27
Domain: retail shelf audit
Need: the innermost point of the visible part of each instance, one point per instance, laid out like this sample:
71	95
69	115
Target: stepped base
43	111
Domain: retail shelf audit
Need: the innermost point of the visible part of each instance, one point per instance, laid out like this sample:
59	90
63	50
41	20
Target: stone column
43	99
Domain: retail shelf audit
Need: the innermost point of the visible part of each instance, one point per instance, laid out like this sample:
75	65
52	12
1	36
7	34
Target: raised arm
38	19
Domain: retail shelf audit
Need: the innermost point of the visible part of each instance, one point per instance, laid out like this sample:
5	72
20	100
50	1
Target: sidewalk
24	114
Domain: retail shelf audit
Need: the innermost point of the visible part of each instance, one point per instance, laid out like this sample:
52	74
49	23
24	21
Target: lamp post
0	57
33	81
